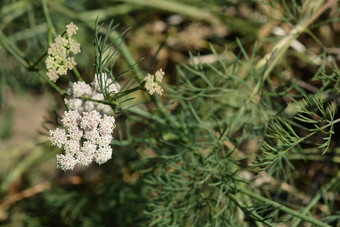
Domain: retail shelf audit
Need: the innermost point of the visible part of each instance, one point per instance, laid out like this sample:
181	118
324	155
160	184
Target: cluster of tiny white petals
71	119
106	125
66	162
71	29
79	88
58	137
58	61
93	91
105	153
86	137
102	81
152	82
90	120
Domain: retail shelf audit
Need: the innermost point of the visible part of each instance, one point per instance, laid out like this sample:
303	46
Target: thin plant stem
77	74
18	55
282	207
107	102
13	50
237	202
316	198
32	67
124	93
49	22
53	85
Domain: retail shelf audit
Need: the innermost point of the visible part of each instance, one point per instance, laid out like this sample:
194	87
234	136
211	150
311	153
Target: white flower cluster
58	60
151	84
79	89
85	138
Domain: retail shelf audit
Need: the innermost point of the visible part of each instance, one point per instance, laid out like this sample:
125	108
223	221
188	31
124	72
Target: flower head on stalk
58	61
86	137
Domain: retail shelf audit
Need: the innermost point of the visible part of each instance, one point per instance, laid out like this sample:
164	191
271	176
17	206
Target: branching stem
282	207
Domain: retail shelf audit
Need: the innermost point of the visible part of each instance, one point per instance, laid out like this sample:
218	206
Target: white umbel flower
71	29
58	60
152	82
86	138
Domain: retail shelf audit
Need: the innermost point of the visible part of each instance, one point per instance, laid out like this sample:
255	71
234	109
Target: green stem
282	207
78	76
13	50
147	115
49	22
317	158
107	102
18	55
32	67
53	85
316	198
238	203
124	93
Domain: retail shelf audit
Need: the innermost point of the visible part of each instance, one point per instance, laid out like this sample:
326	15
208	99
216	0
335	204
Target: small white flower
88	150
66	162
106	126
74	47
90	120
86	138
52	75
152	83
89	106
159	75
72	147
84	159
71	119
105	140
103	155
92	135
79	88
58	137
71	29
75	133
58	60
